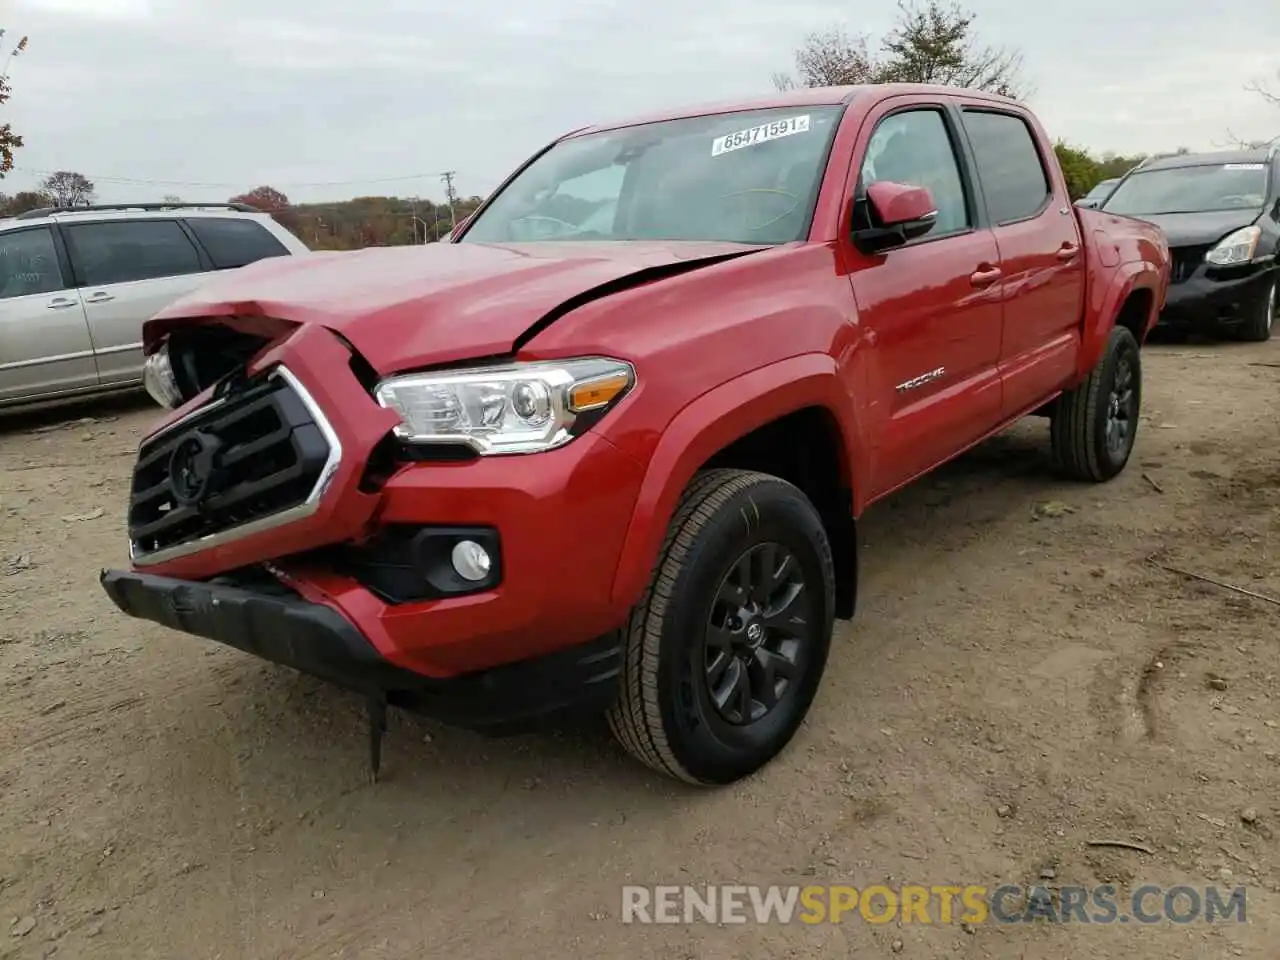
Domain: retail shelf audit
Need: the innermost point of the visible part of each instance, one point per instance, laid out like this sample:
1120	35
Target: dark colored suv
1221	214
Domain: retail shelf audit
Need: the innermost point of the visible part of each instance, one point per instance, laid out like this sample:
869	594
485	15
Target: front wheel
725	651
1258	327
1094	426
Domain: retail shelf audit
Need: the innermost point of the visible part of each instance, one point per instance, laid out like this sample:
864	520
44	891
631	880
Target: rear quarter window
232	242
1013	176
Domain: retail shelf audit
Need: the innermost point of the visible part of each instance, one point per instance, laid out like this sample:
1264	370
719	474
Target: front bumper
561	518
1205	304
276	624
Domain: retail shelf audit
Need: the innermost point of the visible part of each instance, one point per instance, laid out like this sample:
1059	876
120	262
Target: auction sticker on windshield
759	134
1244	166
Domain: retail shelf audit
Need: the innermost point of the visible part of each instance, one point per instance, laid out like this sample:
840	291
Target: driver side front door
931	307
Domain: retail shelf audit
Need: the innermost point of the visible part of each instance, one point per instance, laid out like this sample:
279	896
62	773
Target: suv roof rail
97	207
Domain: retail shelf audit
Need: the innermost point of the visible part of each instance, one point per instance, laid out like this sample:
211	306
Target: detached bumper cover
279	626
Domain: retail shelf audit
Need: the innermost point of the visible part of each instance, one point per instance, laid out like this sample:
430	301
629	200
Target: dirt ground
1020	680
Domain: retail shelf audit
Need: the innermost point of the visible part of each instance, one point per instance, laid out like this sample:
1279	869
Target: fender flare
1101	312
711	422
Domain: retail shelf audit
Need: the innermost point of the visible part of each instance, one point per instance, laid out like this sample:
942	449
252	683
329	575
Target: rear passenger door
1043	265
127	271
44	339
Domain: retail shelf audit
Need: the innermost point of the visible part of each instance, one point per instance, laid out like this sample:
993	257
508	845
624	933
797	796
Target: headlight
158	378
1238	247
521	408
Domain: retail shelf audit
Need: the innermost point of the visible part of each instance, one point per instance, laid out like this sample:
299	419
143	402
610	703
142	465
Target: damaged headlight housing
517	408
1235	248
158	378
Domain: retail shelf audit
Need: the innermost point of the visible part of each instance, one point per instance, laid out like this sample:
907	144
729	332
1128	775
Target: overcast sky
216	96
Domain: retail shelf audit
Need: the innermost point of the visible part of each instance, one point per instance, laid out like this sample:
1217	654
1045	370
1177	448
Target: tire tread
1075	451
635	717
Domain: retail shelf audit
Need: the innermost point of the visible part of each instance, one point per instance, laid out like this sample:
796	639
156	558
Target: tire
1079	432
1258	329
680	633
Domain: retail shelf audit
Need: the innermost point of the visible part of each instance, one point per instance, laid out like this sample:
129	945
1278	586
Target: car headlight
1238	247
520	408
158	378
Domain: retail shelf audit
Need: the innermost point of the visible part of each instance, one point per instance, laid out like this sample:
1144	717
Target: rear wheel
1094	426
1259	326
726	649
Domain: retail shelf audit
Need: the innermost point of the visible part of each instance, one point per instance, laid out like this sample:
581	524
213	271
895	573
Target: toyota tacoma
605	450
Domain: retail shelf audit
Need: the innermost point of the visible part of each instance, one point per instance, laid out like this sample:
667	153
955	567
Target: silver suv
76	285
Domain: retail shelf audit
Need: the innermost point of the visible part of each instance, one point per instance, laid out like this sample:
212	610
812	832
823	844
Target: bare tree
930	43
69	189
171	198
829	58
1264	90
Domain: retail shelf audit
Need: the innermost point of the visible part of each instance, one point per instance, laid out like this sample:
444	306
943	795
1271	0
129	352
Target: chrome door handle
1068	252
984	276
61	303
98	298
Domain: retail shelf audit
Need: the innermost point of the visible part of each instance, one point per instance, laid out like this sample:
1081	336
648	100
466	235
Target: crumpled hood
408	307
1196	229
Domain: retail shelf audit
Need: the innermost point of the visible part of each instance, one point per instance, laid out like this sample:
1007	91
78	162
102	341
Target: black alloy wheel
755	632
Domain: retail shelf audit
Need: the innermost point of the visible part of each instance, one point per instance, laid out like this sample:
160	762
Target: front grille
261	452
1186	261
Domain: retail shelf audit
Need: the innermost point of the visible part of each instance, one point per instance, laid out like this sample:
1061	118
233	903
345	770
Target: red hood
407	307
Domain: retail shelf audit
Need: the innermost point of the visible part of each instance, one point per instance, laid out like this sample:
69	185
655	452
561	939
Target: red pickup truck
606	448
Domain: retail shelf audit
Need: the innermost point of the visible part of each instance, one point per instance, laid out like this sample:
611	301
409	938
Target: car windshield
1101	190
747	177
1192	189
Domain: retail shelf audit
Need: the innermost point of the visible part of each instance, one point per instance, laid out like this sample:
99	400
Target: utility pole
447	178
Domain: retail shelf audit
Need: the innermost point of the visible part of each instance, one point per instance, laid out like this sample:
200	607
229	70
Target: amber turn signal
598	392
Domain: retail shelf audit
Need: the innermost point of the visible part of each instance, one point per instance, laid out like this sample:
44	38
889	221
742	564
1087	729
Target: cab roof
1255	155
800	97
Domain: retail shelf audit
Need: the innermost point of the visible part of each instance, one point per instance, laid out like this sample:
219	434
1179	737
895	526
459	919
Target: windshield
1197	189
747	177
1101	190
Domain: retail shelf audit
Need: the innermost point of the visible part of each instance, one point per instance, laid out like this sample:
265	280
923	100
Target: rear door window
1009	165
29	263
232	242
128	250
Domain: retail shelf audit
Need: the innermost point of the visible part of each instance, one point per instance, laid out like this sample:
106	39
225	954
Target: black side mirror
875	238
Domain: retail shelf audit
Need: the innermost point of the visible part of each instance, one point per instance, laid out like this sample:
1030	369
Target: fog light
471	560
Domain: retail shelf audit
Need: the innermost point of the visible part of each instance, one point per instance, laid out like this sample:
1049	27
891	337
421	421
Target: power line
99	178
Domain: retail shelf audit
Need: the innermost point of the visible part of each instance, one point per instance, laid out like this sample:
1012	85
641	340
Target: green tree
1112	164
931	42
1079	169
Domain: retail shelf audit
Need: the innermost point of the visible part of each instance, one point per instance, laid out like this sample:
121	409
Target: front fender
710	423
1107	295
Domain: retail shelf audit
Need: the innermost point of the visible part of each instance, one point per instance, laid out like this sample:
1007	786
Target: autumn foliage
9	141
362	222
